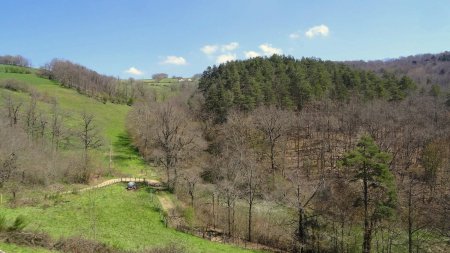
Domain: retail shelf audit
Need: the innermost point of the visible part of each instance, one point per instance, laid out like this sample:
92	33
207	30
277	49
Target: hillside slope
109	117
134	217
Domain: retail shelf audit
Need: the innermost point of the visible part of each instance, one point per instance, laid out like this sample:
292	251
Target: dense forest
304	156
290	83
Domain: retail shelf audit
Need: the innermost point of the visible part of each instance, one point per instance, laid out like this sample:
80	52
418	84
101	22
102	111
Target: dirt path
166	203
150	182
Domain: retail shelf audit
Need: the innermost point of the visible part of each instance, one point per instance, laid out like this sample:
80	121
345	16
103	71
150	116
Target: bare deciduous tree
31	115
13	107
90	138
273	123
251	189
172	138
7	168
56	125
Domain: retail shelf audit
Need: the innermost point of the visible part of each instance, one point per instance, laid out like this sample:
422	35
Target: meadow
128	220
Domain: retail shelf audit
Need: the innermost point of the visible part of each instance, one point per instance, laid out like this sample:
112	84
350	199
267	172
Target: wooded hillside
425	69
290	83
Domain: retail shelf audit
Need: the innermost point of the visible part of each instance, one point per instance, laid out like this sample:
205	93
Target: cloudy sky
139	38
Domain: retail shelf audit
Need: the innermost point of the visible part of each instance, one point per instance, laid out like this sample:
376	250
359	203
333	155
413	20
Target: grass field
124	219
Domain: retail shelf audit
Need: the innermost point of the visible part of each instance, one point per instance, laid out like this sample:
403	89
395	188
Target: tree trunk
229	216
410	222
272	161
342	236
167	165
175	178
192	198
301	219
367	225
214	210
367	238
250	205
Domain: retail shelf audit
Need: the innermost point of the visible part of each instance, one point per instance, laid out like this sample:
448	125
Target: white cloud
209	49
225	58
134	71
230	47
294	35
269	50
320	30
251	54
175	60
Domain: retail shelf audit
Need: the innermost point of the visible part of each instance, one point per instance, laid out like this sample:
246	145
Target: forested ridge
425	69
287	82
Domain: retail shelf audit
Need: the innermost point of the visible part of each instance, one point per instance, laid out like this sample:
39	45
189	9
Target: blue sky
184	37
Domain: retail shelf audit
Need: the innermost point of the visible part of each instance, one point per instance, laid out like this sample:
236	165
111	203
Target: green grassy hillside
110	118
127	220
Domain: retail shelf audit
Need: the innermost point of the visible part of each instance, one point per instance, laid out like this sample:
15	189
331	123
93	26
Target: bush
171	248
19	224
30	239
82	245
2	223
14	85
14	233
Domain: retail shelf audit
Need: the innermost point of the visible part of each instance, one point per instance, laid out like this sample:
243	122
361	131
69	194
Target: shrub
82	245
171	248
19	224
31	239
2	223
14	85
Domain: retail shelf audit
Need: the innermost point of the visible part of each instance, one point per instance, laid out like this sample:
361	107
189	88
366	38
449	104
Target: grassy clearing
124	219
160	82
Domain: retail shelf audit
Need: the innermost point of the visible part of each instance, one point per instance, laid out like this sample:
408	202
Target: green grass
16	69
160	82
127	159
11	248
124	219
